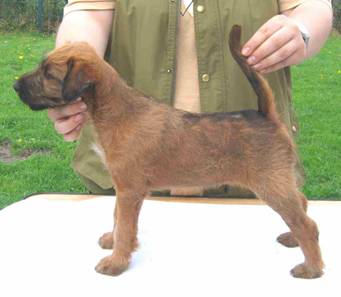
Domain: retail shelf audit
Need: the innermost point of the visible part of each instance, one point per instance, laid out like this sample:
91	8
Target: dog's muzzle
20	88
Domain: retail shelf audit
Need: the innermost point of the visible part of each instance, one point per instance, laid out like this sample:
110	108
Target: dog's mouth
37	104
43	104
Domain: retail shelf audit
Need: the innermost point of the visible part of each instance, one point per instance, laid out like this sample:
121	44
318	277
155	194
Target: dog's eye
48	75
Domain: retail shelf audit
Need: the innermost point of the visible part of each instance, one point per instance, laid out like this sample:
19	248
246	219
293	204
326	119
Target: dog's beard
37	107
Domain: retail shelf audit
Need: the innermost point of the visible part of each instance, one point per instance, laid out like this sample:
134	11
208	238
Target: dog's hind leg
128	206
287	239
287	202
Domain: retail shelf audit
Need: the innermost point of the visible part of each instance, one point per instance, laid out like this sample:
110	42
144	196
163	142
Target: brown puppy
148	145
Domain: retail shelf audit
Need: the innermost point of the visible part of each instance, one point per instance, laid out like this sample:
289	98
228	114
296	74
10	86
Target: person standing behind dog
177	52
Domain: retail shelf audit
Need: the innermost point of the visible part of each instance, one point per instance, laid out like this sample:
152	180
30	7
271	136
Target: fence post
40	15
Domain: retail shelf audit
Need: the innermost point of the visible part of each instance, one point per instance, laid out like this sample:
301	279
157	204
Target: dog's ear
77	80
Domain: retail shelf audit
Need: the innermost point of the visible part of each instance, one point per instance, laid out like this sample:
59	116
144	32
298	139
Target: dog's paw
305	271
106	241
112	265
288	240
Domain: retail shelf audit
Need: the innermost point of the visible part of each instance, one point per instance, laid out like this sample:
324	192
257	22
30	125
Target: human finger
262	34
67	125
270	46
291	60
67	110
292	49
74	134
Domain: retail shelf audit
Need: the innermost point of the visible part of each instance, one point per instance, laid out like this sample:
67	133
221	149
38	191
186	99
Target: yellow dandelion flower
21	57
16	77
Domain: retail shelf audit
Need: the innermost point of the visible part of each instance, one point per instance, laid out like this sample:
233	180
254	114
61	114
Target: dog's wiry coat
149	145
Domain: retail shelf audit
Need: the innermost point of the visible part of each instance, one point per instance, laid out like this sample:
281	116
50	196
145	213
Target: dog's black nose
16	86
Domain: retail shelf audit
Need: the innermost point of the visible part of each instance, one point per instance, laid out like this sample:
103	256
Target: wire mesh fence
42	15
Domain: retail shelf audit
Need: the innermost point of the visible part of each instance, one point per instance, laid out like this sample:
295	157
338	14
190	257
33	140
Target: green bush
23	14
337	14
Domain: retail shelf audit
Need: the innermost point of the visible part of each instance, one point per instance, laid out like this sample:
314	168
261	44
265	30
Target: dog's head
66	74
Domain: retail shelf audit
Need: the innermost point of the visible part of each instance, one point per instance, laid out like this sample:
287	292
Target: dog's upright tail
266	102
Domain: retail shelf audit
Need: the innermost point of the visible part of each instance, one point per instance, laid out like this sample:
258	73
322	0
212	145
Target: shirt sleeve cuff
285	5
88	5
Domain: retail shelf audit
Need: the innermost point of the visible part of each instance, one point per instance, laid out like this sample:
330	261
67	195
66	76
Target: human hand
68	119
277	44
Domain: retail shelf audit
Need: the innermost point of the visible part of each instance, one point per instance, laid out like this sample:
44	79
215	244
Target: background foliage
24	14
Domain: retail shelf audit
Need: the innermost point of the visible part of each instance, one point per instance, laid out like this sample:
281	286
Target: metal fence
42	15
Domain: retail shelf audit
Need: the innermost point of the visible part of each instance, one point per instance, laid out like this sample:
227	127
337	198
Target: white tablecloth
49	248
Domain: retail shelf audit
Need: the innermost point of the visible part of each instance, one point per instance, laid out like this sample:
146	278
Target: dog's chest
97	148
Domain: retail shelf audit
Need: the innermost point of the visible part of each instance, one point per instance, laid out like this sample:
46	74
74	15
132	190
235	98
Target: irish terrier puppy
148	145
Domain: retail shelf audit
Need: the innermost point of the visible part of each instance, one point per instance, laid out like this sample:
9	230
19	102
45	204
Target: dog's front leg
127	209
106	241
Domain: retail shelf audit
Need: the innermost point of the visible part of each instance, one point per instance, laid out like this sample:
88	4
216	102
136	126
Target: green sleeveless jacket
143	51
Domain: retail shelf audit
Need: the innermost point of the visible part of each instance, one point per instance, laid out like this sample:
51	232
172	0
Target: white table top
49	248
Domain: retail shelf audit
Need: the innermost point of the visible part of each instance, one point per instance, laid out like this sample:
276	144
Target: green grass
317	99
